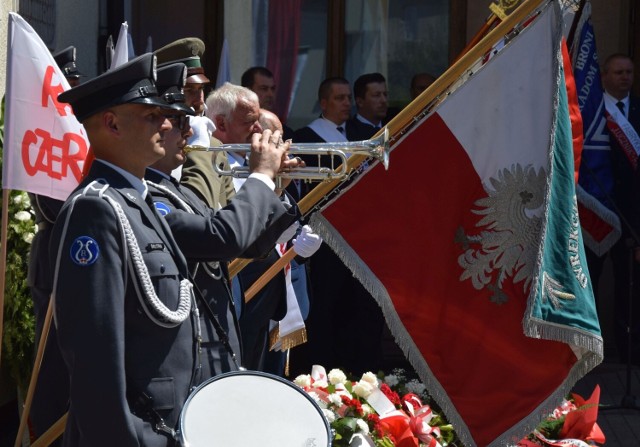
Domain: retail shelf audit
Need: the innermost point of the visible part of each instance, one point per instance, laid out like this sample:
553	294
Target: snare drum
250	408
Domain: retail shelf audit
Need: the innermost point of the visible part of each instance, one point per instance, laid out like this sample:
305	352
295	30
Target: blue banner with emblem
600	224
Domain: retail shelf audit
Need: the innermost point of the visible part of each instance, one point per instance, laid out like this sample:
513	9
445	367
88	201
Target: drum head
249	408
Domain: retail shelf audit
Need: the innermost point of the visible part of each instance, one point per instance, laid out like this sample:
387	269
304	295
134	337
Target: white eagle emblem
508	244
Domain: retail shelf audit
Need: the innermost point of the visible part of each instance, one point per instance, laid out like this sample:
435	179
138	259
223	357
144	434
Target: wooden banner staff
34	375
402	122
397	127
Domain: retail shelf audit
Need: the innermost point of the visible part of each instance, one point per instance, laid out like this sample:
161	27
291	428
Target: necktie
340	129
620	106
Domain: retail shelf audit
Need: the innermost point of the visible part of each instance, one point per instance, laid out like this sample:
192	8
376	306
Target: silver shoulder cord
148	298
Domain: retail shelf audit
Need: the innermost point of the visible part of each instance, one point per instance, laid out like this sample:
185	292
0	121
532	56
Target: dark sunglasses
179	121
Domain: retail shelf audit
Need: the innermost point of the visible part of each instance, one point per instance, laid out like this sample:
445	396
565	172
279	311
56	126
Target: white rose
27	237
18	199
362	426
337	376
370	378
303	380
22	216
363	389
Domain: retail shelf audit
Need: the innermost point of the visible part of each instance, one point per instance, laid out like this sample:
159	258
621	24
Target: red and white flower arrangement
369	412
390	411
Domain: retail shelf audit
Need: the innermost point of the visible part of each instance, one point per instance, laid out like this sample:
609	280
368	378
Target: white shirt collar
610	100
362	119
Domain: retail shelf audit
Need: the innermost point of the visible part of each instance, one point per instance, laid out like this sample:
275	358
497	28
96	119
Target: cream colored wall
238	30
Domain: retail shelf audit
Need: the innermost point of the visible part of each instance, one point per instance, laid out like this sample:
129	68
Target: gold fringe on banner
289	341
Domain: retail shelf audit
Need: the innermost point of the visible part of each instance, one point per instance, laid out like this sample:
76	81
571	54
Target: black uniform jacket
123	365
255	216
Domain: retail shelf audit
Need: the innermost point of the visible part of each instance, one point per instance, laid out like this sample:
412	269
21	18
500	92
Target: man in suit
124	310
204	234
334	98
624	110
370	92
50	398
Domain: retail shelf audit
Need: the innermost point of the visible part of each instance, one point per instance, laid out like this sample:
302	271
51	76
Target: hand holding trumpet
268	154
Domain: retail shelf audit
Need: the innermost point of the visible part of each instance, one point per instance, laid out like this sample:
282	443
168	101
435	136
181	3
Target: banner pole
35	373
53	433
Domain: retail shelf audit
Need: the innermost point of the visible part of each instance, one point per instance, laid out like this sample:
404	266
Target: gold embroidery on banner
500	9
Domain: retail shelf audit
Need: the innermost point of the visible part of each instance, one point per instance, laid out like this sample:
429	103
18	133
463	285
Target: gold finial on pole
500	9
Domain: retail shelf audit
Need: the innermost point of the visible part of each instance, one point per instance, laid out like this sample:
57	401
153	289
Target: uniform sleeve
89	311
255	213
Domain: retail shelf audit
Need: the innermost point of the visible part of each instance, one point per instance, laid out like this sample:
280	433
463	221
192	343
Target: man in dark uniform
50	398
124	309
206	235
66	60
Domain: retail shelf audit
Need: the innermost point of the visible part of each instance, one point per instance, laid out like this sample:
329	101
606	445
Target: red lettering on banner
50	91
55	165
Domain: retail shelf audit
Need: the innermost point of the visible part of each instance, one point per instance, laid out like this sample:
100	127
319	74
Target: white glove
307	242
202	128
288	233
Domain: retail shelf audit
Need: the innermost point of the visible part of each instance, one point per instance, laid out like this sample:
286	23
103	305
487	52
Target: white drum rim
290	384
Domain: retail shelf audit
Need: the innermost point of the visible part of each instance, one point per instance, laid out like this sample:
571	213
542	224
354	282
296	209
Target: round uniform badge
84	251
162	208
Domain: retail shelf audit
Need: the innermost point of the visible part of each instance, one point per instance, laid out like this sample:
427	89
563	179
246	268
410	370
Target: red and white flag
471	244
45	146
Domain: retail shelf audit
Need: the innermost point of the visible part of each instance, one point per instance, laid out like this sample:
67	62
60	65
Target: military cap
171	79
188	51
66	60
130	83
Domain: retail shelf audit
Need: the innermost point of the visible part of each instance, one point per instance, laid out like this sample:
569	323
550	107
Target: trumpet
377	148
